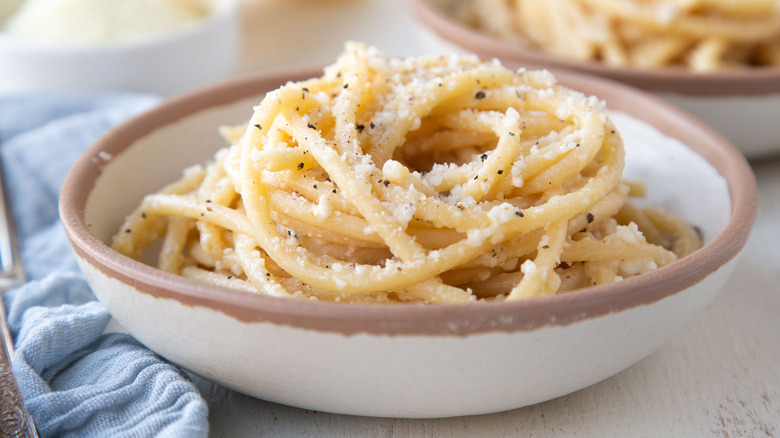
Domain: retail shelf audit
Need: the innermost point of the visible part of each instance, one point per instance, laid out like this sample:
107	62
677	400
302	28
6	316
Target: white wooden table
719	376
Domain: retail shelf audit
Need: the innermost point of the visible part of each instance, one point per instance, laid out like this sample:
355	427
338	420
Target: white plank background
719	376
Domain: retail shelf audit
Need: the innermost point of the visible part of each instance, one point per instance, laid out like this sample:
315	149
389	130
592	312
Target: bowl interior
664	164
157	159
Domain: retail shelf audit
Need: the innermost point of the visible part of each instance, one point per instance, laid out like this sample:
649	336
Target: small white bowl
406	360
743	105
181	60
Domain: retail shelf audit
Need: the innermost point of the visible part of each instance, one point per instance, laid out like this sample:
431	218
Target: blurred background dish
698	35
87	45
742	104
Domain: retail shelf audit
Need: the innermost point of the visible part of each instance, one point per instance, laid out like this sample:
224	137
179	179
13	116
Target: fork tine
10	261
15	421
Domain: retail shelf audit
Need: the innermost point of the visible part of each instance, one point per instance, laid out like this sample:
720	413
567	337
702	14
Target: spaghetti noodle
436	179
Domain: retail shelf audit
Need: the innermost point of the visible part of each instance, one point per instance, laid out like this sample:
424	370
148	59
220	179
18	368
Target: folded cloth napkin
77	381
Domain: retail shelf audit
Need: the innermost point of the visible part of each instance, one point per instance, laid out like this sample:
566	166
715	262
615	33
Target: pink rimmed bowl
407	360
743	105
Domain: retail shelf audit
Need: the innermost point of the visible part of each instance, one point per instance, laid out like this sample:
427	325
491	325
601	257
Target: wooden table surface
719	376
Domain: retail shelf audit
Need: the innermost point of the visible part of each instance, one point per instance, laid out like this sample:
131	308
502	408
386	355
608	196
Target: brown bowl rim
417	319
757	81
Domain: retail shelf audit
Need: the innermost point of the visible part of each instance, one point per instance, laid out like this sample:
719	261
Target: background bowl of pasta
392	359
718	60
96	46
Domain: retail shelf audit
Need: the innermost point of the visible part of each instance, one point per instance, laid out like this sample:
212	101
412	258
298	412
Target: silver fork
15	421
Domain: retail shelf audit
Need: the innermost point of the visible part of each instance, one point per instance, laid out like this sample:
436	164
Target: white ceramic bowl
181	60
743	105
406	360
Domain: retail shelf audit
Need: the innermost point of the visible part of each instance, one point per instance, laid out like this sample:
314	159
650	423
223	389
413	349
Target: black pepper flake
333	191
399	268
315	186
208	201
698	232
546	247
258	126
229	277
479	95
500	172
327	179
297	108
386	183
267	274
612	131
475	177
289	233
305	89
360	128
128	230
512	134
519	214
346	86
372	125
483	157
311	126
590	217
300	166
143	214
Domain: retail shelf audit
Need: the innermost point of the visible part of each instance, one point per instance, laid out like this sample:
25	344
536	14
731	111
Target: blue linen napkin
75	380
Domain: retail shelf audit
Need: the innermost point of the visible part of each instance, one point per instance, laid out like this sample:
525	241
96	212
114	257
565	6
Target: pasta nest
436	179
